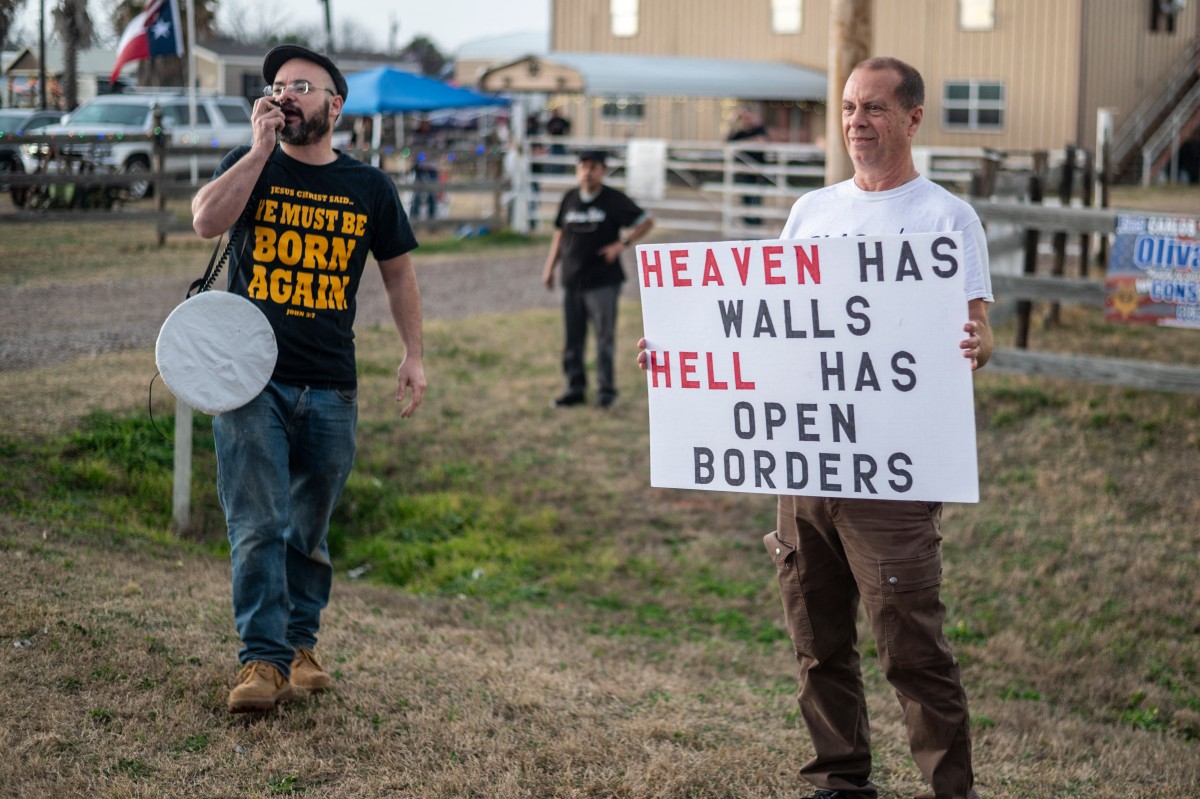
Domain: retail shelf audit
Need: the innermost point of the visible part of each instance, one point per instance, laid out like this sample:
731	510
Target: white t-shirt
919	206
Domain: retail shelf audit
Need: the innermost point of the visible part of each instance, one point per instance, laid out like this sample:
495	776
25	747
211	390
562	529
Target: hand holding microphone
268	120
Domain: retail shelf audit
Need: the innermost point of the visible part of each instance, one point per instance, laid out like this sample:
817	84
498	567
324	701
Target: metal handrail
1168	131
1127	137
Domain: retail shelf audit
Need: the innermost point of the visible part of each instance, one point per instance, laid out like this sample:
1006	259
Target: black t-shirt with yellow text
302	257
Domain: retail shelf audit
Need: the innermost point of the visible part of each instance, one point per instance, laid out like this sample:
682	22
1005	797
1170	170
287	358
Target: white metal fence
717	189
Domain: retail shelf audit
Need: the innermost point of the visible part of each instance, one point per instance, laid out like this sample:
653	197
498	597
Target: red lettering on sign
663	369
687	368
742	260
713	383
678	267
660	371
774	260
772	265
808	263
712	272
651	267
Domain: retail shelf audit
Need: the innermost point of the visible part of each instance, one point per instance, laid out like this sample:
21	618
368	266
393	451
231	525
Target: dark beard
309	130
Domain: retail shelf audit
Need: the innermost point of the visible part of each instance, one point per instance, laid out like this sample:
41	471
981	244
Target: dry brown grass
1170	199
1071	587
121	693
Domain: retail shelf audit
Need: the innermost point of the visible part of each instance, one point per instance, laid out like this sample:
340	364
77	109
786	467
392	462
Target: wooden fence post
1086	195
181	495
1105	182
983	180
1066	187
1025	307
158	173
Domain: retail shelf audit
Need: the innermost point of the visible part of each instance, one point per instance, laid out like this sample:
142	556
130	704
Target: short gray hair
911	91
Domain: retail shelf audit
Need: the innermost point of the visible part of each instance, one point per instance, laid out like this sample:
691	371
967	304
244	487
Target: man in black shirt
284	457
748	128
587	240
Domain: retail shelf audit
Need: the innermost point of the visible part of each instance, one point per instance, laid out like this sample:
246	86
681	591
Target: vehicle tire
19	193
138	165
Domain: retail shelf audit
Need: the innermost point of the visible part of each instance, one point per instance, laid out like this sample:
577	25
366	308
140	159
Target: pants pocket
795	614
820	619
912	613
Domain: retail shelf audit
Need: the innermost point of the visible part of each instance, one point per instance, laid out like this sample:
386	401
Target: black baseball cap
286	52
599	156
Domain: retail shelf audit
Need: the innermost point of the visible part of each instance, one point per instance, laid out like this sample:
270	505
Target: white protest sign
819	367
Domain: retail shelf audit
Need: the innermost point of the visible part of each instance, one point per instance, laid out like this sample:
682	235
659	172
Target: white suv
126	123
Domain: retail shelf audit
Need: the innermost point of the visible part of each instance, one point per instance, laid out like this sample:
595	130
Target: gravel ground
45	326
51	325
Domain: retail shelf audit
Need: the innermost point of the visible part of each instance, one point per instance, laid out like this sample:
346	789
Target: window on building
787	16
1163	14
624	17
973	105
977	15
623	109
252	86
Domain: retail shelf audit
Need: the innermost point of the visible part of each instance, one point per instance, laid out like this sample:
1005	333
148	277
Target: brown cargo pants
829	554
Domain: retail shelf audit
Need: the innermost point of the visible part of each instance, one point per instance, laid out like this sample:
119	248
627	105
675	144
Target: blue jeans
282	461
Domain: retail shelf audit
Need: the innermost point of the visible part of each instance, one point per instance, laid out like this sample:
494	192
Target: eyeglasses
295	87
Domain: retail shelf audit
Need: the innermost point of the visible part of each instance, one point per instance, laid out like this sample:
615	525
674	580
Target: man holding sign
859	524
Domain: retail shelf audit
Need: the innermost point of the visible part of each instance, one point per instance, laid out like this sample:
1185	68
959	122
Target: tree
421	50
74	29
260	22
8	12
354	36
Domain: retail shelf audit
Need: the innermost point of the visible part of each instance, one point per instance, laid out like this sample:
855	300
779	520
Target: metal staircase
1179	125
1147	137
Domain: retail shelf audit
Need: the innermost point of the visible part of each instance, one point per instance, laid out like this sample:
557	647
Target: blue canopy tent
384	90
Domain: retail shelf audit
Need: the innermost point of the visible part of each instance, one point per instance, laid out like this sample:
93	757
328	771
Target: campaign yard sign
820	367
1154	272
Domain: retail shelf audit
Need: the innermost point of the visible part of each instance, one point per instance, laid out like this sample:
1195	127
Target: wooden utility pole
42	87
849	43
328	29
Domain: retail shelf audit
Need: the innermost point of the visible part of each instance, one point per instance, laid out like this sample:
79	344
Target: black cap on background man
598	156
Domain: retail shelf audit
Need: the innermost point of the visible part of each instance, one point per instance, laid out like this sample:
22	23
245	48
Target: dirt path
42	326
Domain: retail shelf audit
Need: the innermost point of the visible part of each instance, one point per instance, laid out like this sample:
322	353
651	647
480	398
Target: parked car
126	123
20	121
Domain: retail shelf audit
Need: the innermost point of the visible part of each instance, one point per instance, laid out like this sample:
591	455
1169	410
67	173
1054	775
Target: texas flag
155	31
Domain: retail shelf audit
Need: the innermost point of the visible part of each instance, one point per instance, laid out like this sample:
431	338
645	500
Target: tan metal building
1008	74
620	96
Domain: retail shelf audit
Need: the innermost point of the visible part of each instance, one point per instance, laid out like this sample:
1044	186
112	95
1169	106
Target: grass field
530	619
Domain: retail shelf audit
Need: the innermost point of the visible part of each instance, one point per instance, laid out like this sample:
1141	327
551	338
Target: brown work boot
307	672
260	687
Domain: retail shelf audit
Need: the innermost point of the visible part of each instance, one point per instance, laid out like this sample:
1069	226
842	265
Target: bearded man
311	216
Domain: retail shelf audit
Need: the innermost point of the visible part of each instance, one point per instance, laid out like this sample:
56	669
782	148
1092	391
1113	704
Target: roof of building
675	76
25	60
251	54
505	46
